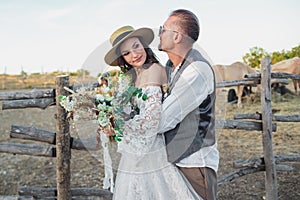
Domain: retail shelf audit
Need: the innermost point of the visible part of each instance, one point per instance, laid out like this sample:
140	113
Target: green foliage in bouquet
111	104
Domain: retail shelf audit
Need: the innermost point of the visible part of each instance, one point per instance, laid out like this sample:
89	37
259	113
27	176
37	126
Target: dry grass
17	170
241	145
38	81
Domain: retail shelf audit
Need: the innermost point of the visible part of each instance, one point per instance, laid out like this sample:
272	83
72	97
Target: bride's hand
108	131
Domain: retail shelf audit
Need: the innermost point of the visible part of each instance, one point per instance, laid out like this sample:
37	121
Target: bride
144	173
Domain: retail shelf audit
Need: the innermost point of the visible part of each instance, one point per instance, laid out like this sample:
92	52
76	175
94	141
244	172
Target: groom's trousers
203	180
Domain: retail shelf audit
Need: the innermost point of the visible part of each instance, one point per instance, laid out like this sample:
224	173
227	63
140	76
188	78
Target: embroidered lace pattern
140	132
144	173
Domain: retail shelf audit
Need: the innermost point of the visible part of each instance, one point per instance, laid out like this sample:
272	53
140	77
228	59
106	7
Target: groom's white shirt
193	86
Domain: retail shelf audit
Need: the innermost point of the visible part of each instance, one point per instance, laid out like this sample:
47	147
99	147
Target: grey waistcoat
197	129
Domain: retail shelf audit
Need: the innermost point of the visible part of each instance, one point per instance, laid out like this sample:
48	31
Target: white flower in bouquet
108	103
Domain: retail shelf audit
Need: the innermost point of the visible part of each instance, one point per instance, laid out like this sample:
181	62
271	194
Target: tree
256	54
277	56
294	52
284	55
253	58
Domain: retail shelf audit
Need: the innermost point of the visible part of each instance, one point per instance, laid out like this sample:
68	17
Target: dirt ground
87	170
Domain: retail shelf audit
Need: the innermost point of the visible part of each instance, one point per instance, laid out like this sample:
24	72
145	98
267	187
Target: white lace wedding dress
144	173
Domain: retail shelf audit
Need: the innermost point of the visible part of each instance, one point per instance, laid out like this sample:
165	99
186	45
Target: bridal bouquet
110	104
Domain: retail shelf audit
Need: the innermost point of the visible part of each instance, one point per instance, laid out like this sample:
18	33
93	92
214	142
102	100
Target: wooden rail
36	134
34	94
40	192
42	103
275	75
42	93
27	149
258	164
278	118
241	124
45	98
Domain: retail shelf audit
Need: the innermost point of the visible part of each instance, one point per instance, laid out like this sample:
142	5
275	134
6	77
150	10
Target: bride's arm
147	121
141	131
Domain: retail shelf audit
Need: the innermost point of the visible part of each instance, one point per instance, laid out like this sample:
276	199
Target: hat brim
111	57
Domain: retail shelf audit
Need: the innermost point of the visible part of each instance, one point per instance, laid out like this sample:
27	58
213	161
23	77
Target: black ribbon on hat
120	37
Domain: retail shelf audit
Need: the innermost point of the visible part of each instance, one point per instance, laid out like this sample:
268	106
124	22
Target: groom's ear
177	37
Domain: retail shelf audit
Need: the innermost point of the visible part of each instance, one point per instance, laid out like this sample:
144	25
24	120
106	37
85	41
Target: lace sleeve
140	132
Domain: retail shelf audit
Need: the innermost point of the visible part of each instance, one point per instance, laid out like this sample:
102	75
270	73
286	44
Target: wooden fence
64	142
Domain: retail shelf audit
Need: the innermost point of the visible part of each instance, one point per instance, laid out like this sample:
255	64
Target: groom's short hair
188	22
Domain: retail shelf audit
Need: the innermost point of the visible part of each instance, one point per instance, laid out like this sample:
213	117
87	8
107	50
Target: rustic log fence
64	142
270	162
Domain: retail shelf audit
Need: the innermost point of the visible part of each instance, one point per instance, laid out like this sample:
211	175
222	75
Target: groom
188	115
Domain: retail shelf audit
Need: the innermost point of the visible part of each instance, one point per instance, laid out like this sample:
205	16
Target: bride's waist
141	145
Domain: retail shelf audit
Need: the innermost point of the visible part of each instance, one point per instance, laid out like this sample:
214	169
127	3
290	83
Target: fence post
266	107
63	151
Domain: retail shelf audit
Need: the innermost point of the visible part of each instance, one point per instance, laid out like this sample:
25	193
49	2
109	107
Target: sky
55	35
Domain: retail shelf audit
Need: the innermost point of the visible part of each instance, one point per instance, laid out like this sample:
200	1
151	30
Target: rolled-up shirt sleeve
194	85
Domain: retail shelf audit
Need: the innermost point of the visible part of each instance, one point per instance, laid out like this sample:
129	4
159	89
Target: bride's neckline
139	70
144	86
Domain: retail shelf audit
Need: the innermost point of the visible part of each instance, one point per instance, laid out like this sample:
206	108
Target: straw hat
111	57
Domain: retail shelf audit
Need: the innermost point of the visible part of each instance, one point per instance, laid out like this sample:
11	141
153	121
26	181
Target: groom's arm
193	86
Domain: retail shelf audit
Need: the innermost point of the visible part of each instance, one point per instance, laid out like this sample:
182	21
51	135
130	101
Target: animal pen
64	142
